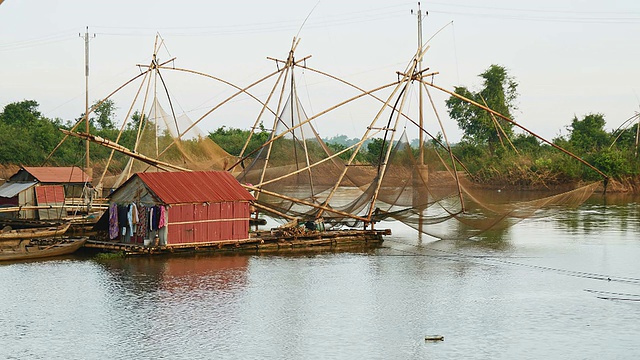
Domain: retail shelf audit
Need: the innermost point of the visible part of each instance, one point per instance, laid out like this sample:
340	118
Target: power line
531	10
255	29
366	15
37	42
588	20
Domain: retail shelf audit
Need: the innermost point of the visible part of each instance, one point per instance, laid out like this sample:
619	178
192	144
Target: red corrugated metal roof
195	187
55	174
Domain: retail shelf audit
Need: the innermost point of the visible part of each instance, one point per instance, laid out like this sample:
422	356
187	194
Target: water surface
520	295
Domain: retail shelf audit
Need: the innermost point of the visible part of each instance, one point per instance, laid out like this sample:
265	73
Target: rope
461	256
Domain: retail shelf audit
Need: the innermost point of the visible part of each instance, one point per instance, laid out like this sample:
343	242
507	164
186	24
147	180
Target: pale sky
569	57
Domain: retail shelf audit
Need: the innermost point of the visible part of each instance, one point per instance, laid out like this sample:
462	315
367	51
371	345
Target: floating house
41	192
179	209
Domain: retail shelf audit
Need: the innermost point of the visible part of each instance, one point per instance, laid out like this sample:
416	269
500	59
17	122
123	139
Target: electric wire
583	20
547	11
48	39
365	15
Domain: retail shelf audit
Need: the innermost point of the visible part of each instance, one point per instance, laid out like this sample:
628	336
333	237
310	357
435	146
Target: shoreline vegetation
534	167
490	153
29	138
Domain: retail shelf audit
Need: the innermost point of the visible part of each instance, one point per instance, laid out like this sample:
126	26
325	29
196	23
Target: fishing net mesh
431	195
175	140
303	178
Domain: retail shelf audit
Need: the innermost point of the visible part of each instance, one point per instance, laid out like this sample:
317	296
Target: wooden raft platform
260	241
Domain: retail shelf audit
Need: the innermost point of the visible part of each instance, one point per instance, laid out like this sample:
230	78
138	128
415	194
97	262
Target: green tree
27	137
134	123
104	113
611	162
232	140
376	150
499	93
23	113
337	147
588	139
588	135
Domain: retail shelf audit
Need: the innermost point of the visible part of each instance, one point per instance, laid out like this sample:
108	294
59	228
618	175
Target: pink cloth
162	222
113	221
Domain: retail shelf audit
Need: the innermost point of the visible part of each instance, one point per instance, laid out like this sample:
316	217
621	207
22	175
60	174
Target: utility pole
420	172
421	116
86	94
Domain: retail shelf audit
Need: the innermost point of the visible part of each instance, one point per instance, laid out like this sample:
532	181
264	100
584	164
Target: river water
565	287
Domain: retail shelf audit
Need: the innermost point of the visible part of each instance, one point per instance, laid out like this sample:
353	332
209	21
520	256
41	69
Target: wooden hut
14	195
179	209
41	192
73	179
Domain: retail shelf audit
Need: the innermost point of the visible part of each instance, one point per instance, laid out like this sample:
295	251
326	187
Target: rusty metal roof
195	187
57	174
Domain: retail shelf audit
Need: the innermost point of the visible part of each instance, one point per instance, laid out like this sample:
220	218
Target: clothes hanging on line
135	220
142	225
162	217
113	221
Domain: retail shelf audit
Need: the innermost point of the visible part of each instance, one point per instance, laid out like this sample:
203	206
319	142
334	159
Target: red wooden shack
195	207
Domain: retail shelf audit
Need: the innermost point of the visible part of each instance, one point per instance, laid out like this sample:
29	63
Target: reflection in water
158	302
611	212
181	273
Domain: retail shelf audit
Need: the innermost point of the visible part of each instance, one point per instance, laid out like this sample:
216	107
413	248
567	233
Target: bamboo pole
240	91
281	72
142	123
94	108
310	119
46	207
298	107
168	167
300	201
355	152
273	211
415	75
446	147
637	135
265	106
106	167
499	128
111	145
275	123
382	169
330	157
90	111
620	130
344	172
449	150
